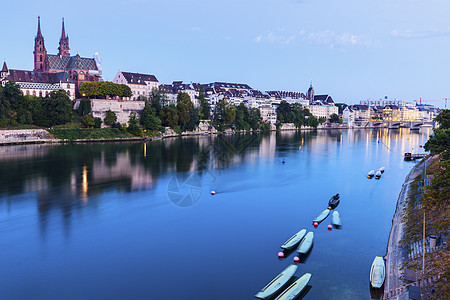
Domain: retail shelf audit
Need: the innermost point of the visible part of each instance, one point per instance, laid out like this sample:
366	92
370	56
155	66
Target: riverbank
41	136
394	286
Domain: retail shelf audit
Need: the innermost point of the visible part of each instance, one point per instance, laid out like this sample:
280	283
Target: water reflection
66	177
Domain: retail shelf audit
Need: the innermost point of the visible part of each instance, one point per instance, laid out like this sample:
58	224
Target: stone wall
25	136
122	108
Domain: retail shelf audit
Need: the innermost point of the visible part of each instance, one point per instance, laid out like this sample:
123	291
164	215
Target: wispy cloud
326	37
196	29
332	39
411	34
278	38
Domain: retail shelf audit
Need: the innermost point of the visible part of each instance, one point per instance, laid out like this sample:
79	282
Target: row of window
27	92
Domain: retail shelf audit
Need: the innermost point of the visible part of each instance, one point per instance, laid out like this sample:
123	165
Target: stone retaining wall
25	136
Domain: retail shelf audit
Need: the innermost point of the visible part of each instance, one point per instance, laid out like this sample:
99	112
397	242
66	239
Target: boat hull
322	216
377	272
306	243
294	240
277	283
336	219
295	289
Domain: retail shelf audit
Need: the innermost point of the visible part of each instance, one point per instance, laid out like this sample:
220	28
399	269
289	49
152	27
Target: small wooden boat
377	272
322	216
294	240
370	174
336	219
378	175
334	202
295	289
277	283
381	170
306	244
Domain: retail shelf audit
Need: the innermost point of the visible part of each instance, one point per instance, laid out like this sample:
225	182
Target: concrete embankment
26	136
394	286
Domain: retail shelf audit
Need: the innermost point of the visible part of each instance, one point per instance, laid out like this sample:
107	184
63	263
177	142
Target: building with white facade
356	115
38	83
140	84
383	102
323	111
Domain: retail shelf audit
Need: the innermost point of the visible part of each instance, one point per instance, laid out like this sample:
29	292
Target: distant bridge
414	125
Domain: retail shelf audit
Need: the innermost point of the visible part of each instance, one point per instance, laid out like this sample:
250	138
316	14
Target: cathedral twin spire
40	53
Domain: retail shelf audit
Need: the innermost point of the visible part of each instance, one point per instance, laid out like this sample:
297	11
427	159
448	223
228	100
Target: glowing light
145	149
84	186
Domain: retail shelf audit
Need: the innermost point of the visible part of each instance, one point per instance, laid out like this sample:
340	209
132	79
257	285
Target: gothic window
34	93
46	93
68	93
28	92
41	66
68	86
40	59
40	93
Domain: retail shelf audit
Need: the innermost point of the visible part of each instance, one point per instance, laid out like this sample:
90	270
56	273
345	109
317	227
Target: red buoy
330	227
316	224
213	193
280	254
296	259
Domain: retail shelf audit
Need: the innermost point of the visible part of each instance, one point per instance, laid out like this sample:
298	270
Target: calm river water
137	221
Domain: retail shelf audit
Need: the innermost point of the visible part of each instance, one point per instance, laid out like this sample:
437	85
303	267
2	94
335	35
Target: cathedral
54	71
80	69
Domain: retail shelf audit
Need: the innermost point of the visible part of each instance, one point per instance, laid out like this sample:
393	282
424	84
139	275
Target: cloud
332	39
411	34
326	37
277	38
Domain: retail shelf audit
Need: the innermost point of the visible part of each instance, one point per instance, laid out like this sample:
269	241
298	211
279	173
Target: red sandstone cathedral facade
79	69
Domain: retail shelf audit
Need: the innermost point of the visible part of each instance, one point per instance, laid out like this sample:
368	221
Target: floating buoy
296	259
213	193
316	224
329	227
283	161
280	254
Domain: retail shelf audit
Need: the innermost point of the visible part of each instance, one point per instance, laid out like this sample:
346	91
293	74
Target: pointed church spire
63	42
39	34
63	33
5	68
310	85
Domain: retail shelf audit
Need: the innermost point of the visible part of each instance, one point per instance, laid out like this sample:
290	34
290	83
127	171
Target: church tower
40	54
63	42
310	94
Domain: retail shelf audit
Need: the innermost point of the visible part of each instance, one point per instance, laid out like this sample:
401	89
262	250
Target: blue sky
350	49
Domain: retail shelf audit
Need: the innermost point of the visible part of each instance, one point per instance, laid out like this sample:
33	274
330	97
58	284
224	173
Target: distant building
176	87
140	84
79	69
383	102
310	93
39	83
356	115
323	111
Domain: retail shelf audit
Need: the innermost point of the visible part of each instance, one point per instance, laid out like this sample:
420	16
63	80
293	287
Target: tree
103	89
169	116
183	113
312	121
88	120
125	91
205	108
224	114
85	107
133	127
241	118
149	120
58	107
183	97
254	118
110	118
157	99
97	122
283	111
10	96
444	119
334	118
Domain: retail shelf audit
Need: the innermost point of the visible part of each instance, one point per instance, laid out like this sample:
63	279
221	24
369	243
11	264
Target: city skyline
351	50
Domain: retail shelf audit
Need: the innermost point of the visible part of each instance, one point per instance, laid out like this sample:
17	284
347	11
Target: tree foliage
205	107
85	107
58	107
110	118
169	116
149	120
103	89
224	113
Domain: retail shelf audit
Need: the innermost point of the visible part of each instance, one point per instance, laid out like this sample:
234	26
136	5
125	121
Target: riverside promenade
394	287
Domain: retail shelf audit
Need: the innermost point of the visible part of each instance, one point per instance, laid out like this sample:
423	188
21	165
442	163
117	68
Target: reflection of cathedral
54	71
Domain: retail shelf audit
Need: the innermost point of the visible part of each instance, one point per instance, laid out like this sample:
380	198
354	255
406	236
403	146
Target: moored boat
377	272
370	174
378	175
322	216
294	240
336	219
295	289
277	283
333	202
381	170
306	243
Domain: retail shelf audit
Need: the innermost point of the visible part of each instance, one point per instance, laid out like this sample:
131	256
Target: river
138	221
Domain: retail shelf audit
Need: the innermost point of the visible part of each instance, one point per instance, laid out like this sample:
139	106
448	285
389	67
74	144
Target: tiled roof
5	68
228	85
38	77
138	78
326	99
71	62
